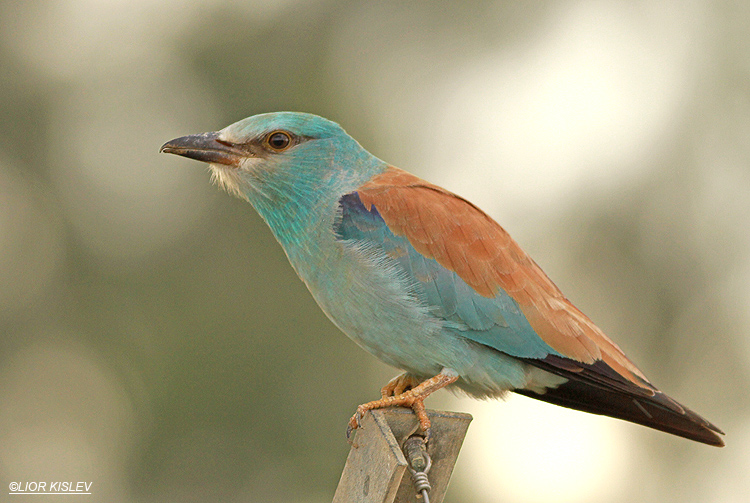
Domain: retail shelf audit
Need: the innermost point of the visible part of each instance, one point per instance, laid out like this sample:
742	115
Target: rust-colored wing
471	271
464	239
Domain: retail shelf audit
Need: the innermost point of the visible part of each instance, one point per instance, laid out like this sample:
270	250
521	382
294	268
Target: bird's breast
362	291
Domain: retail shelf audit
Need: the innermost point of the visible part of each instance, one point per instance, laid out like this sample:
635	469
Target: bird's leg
394	394
399	384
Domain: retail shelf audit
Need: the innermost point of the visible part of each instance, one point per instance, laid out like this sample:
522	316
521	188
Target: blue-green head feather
292	167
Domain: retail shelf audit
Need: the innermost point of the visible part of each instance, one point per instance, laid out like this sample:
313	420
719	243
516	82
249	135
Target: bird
423	279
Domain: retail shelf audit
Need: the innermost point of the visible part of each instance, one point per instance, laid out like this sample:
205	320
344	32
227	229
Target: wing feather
462	238
469	272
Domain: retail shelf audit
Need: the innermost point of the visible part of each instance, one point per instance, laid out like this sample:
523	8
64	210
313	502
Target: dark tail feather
636	405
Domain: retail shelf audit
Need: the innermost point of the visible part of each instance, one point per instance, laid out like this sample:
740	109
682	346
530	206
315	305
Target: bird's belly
378	313
367	298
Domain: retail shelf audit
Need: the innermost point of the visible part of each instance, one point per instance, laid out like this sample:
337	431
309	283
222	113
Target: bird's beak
205	147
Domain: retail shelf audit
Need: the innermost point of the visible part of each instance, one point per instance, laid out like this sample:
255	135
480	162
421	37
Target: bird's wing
471	273
496	322
502	279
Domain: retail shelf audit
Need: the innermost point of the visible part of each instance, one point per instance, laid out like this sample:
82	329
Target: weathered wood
376	469
375	465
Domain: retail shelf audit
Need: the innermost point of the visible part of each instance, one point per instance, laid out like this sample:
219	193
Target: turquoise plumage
496	322
423	279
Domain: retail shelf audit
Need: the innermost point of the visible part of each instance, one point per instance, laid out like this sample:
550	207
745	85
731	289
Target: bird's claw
354	423
413	397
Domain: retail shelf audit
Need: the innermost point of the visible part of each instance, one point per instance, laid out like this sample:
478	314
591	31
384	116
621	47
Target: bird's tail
589	389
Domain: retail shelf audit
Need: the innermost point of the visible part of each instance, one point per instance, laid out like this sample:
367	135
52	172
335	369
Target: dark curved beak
205	147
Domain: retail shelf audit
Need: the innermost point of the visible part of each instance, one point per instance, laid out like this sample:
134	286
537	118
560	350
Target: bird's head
271	158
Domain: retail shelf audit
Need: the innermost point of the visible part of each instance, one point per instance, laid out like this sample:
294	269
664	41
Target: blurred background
154	339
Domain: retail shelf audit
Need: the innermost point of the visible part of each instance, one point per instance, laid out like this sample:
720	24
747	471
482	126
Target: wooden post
376	469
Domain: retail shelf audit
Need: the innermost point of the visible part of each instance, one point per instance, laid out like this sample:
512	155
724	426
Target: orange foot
406	391
399	384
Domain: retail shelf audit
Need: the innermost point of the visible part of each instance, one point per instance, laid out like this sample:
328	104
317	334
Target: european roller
423	279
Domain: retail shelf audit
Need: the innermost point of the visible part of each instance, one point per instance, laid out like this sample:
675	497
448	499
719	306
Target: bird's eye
279	140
